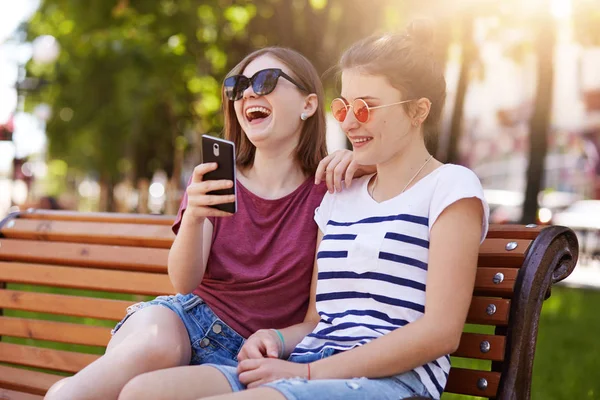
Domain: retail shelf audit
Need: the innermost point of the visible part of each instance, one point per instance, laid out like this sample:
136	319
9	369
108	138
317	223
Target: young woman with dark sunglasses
397	251
236	273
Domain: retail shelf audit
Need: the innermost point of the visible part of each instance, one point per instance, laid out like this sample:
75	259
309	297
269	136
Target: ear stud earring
303	116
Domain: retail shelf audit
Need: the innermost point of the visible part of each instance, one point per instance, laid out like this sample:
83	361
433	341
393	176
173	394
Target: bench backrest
66	264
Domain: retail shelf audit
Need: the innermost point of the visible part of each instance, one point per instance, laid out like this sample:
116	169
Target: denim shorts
213	341
401	386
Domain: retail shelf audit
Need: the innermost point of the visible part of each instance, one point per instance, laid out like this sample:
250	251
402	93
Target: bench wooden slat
54	331
471	346
514	231
493	252
489	311
156	236
89	279
485	286
464	381
143	219
12	395
495	230
88	255
26	381
73	306
65	361
114	309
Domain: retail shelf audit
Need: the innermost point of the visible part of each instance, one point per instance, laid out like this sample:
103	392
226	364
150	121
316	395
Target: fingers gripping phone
222	152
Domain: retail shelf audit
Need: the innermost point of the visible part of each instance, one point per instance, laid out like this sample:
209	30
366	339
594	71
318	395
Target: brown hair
311	147
407	61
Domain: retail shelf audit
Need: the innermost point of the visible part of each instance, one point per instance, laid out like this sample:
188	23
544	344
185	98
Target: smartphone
222	152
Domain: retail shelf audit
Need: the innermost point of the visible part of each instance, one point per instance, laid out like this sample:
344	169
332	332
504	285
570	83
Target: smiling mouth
361	140
257	113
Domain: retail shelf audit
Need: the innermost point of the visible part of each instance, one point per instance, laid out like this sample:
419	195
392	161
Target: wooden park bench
97	255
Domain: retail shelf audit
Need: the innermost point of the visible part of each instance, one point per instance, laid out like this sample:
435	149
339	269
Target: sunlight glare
561	9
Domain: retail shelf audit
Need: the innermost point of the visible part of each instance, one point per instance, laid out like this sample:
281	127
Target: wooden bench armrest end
551	258
8	218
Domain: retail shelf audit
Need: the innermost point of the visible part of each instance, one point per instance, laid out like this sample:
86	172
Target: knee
157	353
137	388
57	391
166	354
153	334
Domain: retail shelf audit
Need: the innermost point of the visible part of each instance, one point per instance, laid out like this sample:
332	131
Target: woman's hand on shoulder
338	166
264	343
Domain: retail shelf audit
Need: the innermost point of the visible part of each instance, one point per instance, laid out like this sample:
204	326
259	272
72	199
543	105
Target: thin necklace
409	182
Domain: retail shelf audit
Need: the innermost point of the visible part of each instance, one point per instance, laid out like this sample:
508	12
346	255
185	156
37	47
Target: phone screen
222	152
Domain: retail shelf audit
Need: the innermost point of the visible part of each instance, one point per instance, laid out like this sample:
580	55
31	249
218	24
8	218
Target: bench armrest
550	259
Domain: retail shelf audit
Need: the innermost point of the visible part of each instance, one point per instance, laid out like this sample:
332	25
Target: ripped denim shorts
212	340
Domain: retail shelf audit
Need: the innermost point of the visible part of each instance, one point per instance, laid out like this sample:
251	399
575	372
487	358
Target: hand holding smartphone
221	152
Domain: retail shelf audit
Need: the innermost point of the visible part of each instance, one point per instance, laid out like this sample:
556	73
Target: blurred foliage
138	82
136	79
130	80
586	14
55	181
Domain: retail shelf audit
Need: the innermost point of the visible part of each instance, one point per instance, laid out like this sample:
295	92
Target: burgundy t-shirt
261	260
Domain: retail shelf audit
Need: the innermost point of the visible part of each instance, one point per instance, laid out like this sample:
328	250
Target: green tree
133	78
137	81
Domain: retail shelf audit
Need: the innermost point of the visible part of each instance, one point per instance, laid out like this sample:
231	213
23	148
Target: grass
567	361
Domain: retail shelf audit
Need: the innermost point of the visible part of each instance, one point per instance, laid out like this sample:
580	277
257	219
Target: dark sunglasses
263	82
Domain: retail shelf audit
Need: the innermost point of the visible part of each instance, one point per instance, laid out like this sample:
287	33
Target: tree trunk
442	43
540	121
107	186
469	51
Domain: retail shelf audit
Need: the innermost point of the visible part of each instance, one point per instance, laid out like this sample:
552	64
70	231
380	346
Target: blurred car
584	218
583	214
506	206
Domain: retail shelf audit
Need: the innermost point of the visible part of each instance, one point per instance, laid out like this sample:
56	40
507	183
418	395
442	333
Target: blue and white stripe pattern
373	268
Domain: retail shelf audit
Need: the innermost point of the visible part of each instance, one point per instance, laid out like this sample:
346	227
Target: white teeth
258	109
361	140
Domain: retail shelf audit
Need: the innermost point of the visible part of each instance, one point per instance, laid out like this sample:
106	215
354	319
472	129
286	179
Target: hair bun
421	31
